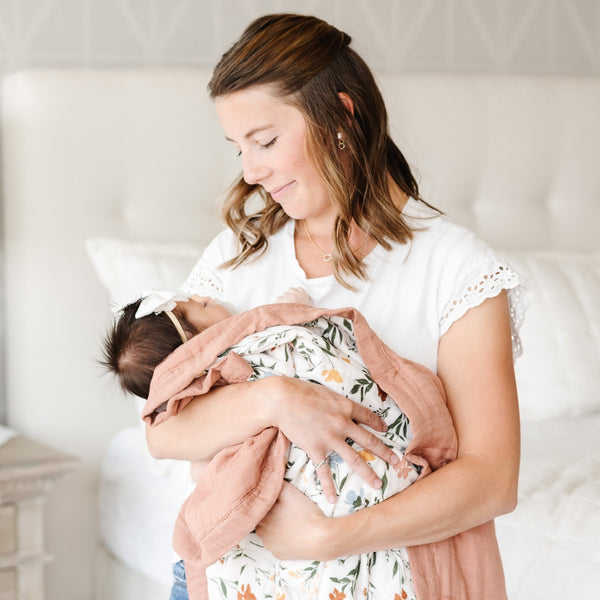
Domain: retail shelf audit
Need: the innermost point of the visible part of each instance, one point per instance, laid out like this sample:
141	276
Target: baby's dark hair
133	348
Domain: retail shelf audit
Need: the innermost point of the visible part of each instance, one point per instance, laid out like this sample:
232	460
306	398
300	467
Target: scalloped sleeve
205	279
487	280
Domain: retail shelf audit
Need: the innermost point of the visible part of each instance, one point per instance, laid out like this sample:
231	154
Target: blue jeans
179	589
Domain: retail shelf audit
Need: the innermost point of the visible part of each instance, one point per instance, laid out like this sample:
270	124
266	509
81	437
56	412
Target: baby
152	326
321	350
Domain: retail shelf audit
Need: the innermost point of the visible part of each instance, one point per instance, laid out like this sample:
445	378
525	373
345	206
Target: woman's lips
279	192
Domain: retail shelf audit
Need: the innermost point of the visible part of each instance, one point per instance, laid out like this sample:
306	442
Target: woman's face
269	135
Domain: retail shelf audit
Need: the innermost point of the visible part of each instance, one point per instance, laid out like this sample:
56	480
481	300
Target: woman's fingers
319	421
327	485
355	461
361	414
373	444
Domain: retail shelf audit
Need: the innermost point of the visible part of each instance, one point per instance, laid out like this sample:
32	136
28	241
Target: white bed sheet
558	515
139	500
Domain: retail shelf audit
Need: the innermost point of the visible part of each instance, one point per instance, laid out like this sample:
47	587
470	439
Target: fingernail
395	459
378	483
332	499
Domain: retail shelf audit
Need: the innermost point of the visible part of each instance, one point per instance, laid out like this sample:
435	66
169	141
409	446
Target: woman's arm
476	366
225	416
315	418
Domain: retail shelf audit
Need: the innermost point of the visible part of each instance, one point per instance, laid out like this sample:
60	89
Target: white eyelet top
414	292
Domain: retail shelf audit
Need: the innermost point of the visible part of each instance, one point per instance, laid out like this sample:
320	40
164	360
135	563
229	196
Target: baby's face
203	312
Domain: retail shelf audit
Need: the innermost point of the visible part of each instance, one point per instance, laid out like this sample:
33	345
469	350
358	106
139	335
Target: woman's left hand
294	528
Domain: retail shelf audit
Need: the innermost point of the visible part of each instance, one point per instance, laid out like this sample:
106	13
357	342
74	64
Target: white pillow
127	269
559	373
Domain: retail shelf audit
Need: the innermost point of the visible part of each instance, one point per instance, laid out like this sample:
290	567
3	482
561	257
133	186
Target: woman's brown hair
308	63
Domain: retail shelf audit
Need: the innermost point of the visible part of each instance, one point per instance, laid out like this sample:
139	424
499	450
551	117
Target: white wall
519	36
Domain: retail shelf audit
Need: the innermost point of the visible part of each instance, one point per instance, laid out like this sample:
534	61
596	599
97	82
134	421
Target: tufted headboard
138	154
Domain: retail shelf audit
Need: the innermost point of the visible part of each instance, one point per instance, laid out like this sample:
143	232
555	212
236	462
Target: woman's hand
320	421
475	364
294	528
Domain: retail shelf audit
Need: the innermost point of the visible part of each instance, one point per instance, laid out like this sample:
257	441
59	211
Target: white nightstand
28	471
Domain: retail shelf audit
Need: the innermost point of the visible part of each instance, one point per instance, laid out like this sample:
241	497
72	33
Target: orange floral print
337	595
332	375
366	455
403	468
401	597
280	596
246	593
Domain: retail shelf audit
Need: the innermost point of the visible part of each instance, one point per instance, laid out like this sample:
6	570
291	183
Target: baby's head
149	329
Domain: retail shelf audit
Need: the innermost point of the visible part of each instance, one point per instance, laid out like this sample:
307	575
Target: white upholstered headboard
138	154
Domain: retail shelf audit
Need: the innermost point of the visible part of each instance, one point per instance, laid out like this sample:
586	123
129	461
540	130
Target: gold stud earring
340	141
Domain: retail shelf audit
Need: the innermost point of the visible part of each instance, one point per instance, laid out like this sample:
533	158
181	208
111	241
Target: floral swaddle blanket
322	351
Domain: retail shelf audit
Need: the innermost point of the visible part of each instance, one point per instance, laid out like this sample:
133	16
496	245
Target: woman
341	216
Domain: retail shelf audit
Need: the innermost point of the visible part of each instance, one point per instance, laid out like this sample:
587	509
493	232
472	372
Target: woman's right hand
320	421
316	419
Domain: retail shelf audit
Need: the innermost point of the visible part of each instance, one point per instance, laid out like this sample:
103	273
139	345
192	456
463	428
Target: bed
110	183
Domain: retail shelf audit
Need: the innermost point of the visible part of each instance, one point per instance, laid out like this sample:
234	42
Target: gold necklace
327	256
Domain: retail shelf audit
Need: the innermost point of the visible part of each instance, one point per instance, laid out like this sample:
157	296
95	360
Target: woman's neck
315	249
314	244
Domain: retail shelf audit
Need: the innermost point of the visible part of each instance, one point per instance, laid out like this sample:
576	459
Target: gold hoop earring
340	141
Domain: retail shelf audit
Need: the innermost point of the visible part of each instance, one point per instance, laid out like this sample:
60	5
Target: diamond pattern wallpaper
522	36
545	37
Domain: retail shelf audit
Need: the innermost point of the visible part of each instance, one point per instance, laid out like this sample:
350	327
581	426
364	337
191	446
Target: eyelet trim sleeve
488	282
203	281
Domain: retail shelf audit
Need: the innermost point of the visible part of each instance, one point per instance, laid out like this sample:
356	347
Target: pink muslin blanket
241	483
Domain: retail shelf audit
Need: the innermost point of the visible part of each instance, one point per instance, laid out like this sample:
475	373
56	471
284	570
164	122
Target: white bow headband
157	301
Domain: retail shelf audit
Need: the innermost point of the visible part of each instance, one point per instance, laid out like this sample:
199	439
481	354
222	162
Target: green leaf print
384	484
331	333
311	570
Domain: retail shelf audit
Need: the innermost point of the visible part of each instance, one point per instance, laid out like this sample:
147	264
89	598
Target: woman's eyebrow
252	132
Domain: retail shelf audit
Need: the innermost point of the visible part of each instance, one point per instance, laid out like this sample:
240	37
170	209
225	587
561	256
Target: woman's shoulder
463	270
221	248
225	245
439	240
204	278
455	258
209	277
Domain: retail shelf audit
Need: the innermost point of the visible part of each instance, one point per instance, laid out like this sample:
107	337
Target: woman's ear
347	102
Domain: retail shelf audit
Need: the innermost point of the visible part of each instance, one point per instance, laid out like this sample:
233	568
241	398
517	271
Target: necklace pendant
328	257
